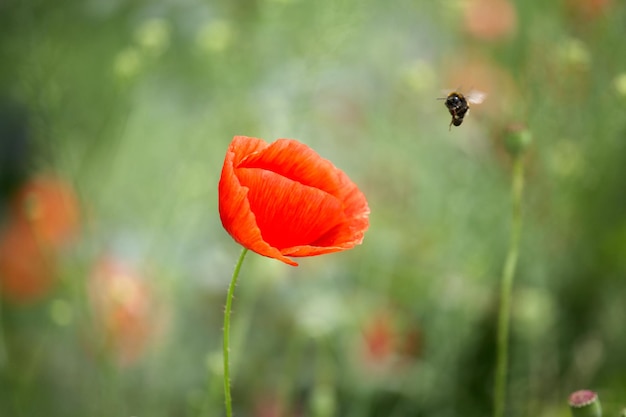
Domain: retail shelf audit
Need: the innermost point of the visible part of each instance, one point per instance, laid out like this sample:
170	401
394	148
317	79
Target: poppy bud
585	403
517	139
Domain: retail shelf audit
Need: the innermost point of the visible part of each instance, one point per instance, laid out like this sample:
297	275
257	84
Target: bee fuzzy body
458	105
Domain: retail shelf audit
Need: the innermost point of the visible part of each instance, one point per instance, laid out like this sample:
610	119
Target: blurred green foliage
134	104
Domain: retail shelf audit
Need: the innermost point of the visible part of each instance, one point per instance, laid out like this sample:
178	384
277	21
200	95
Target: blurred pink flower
124	309
490	19
269	405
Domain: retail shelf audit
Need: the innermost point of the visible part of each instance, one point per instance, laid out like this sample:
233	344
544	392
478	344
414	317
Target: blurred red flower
379	339
283	199
389	341
26	269
49	207
43	216
588	9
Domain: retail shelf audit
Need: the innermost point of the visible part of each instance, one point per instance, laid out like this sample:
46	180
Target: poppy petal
243	147
235	213
297	162
289	213
345	235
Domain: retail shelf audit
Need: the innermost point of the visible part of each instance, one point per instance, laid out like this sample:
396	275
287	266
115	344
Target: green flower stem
4	352
229	303
504	314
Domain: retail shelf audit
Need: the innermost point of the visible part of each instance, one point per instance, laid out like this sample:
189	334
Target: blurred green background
124	111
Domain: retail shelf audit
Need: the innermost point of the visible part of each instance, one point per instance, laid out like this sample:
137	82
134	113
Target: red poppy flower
283	199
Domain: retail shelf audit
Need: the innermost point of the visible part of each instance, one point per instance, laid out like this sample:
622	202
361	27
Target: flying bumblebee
458	105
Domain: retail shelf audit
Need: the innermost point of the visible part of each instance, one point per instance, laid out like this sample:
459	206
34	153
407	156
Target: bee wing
447	91
445	94
476	97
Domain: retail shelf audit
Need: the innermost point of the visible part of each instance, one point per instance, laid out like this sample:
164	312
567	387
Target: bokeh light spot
61	313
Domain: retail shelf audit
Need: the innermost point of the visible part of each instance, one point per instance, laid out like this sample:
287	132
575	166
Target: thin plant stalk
4	355
506	289
226	347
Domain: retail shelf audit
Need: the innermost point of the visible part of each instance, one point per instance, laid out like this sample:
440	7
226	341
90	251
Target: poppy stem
227	309
3	348
506	289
